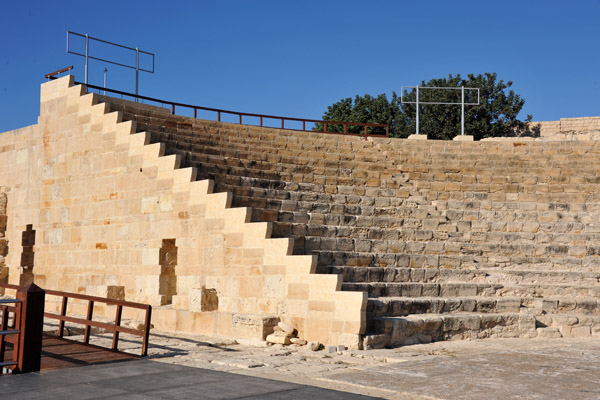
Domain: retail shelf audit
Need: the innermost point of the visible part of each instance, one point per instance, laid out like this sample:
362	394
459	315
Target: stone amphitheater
227	229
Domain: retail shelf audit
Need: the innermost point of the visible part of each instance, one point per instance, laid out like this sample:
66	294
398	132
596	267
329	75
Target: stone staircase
449	239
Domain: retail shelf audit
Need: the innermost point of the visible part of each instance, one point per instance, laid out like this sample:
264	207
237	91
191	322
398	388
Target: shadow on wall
3	241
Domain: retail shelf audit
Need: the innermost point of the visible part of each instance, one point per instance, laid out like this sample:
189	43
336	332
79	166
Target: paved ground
146	379
490	369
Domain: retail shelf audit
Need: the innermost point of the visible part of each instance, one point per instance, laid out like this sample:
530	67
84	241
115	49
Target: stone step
460	289
488	275
346	257
425	328
402	306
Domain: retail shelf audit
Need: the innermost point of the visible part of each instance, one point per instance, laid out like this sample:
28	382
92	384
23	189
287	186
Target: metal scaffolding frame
87	56
462	102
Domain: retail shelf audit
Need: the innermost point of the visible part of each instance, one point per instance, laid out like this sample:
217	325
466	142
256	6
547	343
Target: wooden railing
25	329
88	322
10	332
114	327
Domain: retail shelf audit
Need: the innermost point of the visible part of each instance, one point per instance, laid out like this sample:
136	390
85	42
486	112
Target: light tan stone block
216	203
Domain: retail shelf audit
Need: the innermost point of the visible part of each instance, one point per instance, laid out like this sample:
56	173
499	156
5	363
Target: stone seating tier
450	239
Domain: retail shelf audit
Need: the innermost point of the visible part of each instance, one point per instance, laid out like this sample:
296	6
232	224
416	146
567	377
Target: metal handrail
240	114
60	71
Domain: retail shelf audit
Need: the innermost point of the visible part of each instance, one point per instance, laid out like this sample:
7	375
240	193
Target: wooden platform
60	353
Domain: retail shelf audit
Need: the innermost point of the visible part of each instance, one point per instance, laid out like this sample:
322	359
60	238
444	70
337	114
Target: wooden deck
60	353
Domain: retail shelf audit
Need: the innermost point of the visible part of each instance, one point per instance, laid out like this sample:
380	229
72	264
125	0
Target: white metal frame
462	102
88	57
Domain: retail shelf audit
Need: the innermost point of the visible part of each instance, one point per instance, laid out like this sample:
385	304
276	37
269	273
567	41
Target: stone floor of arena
542	368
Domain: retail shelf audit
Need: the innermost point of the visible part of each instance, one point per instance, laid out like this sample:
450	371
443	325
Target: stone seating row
450	209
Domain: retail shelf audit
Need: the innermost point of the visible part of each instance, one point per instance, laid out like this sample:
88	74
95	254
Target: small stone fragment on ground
313	346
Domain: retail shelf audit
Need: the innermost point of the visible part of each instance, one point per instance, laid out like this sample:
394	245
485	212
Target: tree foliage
365	109
496	114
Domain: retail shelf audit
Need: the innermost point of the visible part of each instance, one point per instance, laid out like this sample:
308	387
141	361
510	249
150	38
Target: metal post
87	44
462	105
105	80
417	89
137	71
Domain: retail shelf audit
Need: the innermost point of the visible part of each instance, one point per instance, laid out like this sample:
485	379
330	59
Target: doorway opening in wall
27	256
168	279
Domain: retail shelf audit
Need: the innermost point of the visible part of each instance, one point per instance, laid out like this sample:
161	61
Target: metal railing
51	75
326	124
88	57
417	102
114	327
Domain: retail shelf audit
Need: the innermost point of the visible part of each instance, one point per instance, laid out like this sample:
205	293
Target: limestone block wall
114	216
565	125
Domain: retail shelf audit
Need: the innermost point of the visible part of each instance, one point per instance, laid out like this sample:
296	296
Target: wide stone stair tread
488	275
424	328
447	260
402	306
450	289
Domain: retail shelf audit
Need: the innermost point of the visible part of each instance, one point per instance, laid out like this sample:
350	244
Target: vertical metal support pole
87	49
137	71
105	80
462	105
417	89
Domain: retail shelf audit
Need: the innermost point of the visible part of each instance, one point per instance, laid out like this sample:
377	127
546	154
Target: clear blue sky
296	58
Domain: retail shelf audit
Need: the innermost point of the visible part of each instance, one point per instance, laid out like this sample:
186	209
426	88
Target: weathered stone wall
578	126
115	217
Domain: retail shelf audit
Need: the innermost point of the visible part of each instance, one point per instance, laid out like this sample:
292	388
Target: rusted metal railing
326	124
114	327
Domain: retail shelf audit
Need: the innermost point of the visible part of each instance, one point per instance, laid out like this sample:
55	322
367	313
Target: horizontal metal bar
7	363
111	62
10	301
114	44
10	332
430	102
60	71
107	42
232	112
437	87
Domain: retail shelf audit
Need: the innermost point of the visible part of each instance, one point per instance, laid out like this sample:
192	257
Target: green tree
365	109
496	114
